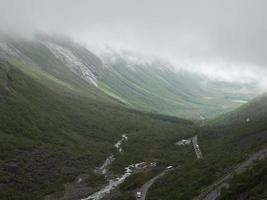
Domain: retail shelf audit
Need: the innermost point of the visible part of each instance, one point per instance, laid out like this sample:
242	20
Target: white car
169	167
138	194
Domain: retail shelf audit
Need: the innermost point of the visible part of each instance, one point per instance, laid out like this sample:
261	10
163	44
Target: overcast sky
227	38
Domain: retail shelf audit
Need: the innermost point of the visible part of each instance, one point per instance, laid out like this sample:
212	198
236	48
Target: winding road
149	183
214	190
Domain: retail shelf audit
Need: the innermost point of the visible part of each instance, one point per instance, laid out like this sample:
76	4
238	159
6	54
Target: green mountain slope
147	85
36	54
253	112
251	184
223	148
158	87
62	109
50	133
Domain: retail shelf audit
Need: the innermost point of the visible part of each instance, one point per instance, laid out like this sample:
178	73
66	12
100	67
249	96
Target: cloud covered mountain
140	82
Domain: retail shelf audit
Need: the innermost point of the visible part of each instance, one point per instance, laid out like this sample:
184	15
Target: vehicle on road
169	167
138	194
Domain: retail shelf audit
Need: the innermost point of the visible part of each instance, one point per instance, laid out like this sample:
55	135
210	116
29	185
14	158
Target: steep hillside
150	85
63	112
253	112
156	86
250	185
58	59
223	147
50	133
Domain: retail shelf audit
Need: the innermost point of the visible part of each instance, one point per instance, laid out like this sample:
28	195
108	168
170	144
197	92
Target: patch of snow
73	62
9	51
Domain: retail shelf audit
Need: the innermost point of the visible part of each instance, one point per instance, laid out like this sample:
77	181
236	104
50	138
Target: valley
80	126
150	85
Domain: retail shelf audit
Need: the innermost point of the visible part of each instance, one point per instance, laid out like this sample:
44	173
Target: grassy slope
255	110
143	87
146	90
50	133
56	69
164	91
223	147
67	128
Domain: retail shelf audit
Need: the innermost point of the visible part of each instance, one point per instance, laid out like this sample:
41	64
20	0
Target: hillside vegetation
50	133
249	185
62	109
251	112
134	81
223	148
157	86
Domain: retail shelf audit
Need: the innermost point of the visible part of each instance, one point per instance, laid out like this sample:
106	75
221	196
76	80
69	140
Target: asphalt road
148	184
214	190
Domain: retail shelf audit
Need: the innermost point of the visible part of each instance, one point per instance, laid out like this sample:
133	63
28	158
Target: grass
223	148
55	126
154	89
50	134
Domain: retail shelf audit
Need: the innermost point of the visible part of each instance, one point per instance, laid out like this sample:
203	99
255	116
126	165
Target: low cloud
222	38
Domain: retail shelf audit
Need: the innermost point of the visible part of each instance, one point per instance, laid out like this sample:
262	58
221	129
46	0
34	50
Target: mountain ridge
151	86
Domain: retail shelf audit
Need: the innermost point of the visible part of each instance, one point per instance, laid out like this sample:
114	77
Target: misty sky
222	38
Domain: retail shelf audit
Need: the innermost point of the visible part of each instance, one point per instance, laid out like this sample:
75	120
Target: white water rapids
115	182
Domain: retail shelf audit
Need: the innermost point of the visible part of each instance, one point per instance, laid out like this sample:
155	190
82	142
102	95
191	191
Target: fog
224	39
